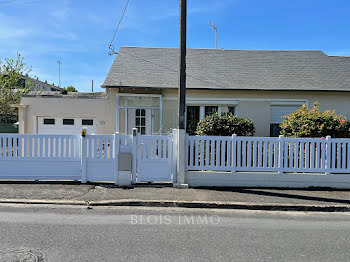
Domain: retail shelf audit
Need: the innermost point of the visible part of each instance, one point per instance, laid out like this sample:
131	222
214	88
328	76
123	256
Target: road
165	234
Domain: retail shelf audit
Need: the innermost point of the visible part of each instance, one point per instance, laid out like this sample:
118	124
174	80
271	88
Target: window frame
82	122
68	119
49	124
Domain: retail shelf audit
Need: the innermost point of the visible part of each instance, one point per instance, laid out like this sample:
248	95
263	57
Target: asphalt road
163	234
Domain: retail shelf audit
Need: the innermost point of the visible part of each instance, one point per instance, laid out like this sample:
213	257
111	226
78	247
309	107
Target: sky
78	32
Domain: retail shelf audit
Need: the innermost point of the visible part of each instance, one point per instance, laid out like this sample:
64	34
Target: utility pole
59	73
216	34
180	134
92	86
182	76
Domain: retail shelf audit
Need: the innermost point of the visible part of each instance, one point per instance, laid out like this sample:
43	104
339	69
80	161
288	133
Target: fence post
181	160
328	155
234	149
83	153
116	157
280	154
174	159
134	154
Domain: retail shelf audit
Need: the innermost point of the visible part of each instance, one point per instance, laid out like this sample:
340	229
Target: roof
230	69
58	94
36	81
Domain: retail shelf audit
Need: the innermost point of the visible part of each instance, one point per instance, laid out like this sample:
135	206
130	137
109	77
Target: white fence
39	157
90	158
97	158
266	154
61	157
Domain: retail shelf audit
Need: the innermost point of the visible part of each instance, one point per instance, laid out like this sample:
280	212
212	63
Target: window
140	121
49	121
275	130
193	117
209	110
87	122
68	122
231	109
277	113
227	110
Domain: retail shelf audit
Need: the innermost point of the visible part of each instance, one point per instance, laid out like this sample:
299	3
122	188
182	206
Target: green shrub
313	123
225	125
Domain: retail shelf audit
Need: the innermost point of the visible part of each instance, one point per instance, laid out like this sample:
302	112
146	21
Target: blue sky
78	32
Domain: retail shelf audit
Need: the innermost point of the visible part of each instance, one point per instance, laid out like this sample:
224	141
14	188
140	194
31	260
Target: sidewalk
235	198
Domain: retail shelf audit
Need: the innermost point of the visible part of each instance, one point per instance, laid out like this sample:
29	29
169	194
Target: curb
185	204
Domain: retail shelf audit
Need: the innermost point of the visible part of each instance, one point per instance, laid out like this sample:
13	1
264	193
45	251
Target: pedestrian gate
154	158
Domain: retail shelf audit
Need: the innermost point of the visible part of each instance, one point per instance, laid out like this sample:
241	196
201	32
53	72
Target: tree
312	123
12	86
225	125
70	89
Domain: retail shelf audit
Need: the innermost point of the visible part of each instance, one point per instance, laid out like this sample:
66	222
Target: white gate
154	158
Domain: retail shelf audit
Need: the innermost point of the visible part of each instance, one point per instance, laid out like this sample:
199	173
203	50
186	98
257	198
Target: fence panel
340	160
257	154
285	155
209	153
304	155
30	147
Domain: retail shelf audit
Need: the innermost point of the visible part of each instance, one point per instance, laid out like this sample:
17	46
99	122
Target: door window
140	121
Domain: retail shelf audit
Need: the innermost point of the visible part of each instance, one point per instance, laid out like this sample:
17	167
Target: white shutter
277	112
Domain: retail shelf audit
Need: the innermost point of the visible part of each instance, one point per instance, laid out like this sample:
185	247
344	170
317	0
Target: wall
256	104
99	107
256	179
250	104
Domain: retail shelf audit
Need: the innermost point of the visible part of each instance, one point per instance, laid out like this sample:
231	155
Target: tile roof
230	69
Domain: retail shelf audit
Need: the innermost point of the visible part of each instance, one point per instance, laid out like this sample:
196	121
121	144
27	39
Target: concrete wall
264	179
250	104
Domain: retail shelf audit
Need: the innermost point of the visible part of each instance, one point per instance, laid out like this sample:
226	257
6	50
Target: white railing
154	147
59	157
14	147
100	147
267	154
209	153
256	154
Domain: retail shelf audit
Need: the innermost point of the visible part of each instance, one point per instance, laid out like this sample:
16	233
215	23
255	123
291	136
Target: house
35	84
38	85
141	91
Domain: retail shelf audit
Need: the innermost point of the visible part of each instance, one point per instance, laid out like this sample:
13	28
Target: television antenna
216	34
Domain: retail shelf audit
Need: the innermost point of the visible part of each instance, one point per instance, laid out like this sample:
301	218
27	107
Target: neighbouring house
38	85
141	91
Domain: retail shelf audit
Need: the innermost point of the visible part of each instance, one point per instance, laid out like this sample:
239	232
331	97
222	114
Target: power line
111	47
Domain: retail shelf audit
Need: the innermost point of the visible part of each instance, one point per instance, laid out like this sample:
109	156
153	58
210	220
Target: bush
225	125
313	123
